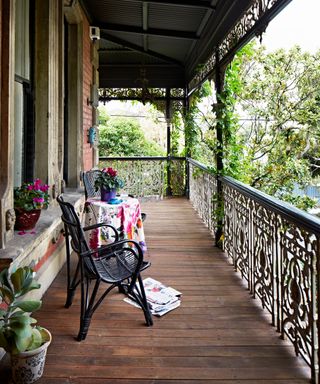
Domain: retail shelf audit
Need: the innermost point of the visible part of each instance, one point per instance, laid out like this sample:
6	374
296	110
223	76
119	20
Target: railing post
168	120
219	80
316	316
188	154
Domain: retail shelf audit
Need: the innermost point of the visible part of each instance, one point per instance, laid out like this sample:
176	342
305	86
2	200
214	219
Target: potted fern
19	336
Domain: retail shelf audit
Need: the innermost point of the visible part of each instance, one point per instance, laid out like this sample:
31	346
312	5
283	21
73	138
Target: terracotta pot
107	195
26	220
27	367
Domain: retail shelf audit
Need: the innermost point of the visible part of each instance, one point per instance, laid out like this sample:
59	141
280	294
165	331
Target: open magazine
161	299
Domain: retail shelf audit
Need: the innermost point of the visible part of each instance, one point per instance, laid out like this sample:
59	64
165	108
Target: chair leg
84	327
123	287
140	296
72	286
88	306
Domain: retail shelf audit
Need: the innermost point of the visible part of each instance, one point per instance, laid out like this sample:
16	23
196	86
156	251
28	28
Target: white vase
27	367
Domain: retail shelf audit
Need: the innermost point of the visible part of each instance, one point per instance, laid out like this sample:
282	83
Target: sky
298	23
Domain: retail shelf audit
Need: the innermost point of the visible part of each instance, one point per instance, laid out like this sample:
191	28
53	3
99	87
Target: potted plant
109	182
19	336
29	199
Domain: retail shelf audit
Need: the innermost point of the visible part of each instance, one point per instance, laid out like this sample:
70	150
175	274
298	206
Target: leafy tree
279	95
199	122
270	109
123	137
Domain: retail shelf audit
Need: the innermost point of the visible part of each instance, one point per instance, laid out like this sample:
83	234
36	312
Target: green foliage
17	330
177	134
280	94
276	145
31	196
234	162
200	142
124	137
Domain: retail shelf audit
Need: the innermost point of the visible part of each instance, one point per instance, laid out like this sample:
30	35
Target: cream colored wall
7	44
48	82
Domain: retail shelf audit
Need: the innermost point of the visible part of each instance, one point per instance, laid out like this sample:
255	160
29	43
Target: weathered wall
45	246
87	108
6	120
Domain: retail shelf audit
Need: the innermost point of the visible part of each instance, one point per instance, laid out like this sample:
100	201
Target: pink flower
112	172
44	188
37	182
38	199
30	187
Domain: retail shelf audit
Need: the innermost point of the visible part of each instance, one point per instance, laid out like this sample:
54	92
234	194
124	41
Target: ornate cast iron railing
147	176
202	193
276	248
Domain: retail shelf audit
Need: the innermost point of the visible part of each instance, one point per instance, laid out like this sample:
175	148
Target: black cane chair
89	177
118	264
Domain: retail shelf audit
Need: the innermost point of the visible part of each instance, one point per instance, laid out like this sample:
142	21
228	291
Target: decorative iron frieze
203	72
177	92
106	94
244	27
155	96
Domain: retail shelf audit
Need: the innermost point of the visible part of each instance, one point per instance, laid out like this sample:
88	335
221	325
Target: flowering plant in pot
109	182
29	199
19	336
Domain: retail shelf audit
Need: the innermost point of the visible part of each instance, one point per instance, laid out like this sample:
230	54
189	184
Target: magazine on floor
161	299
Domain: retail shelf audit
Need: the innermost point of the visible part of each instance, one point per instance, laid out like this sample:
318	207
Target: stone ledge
48	227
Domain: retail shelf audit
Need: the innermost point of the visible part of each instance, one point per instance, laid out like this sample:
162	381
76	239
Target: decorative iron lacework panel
178	92
236	230
228	230
203	188
265	256
178	177
299	250
143	178
113	93
279	259
177	105
254	13
243	27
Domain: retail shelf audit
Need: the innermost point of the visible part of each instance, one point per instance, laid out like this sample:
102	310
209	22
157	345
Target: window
23	96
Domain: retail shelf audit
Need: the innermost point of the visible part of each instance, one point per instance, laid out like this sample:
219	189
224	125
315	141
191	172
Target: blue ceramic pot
107	195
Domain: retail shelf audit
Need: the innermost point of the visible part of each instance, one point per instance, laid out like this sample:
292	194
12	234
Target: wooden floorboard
218	335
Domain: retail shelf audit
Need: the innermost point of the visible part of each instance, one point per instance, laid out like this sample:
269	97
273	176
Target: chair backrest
73	226
89	177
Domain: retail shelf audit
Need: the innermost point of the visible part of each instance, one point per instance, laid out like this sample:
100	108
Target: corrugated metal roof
175	17
181	34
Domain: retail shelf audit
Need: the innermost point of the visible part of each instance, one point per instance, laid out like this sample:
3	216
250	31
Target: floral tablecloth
125	216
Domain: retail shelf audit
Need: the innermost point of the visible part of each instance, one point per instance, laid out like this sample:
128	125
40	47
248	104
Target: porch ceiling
169	40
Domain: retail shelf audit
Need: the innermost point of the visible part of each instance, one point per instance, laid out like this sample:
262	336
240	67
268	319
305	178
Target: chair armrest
109	250
99	225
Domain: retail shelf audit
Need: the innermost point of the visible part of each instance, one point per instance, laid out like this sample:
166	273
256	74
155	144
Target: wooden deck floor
218	334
